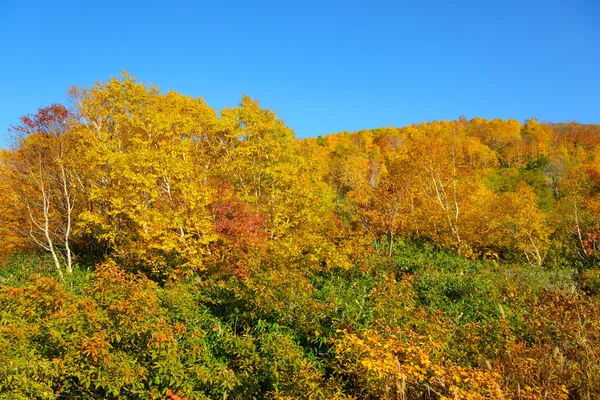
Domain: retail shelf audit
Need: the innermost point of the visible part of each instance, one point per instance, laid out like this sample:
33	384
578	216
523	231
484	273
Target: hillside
152	247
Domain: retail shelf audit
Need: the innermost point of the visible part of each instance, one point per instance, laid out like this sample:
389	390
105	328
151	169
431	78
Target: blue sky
324	66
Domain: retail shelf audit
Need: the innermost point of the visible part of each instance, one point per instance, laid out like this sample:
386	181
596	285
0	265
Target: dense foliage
154	248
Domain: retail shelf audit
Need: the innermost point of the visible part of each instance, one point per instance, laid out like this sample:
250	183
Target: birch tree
45	182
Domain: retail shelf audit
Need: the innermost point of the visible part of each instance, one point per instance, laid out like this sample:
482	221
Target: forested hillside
152	247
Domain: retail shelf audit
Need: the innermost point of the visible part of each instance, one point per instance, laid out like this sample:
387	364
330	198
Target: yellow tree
146	174
393	204
479	155
538	138
281	179
503	137
517	223
355	169
259	143
437	157
577	213
311	202
12	223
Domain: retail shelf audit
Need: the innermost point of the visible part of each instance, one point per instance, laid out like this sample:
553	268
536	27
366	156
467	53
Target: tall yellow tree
146	174
281	179
437	157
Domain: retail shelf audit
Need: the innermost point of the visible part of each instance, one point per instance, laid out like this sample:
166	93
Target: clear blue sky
324	66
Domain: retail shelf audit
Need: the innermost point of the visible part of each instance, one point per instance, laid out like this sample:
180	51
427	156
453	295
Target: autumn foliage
152	247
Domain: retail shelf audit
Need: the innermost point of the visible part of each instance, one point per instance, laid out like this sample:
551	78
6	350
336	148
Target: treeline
161	183
214	254
485	188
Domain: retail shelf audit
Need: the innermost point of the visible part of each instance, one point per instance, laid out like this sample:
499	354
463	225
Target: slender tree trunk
46	228
70	205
